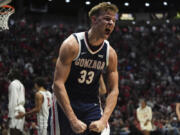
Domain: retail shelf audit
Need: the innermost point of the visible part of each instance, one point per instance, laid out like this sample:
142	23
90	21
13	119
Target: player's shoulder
138	109
79	35
49	93
15	83
112	55
112	50
72	41
70	47
148	107
39	94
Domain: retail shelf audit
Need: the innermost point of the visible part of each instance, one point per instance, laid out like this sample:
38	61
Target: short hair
40	81
14	73
104	6
143	100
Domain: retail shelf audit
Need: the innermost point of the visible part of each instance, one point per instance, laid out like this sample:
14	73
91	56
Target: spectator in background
16	102
144	115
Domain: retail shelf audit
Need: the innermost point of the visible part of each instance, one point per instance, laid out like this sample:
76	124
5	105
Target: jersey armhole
79	43
107	55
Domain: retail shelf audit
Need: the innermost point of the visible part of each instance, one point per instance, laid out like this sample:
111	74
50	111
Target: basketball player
43	103
16	102
82	58
54	120
144	116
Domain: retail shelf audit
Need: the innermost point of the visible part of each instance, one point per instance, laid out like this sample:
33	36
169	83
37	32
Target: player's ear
93	19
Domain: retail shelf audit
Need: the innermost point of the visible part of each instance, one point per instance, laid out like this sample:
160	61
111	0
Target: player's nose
111	22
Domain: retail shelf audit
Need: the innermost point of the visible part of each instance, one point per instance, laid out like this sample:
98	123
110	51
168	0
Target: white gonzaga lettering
92	64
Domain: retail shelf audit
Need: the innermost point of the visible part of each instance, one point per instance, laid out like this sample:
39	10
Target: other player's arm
178	110
38	104
102	87
68	52
112	96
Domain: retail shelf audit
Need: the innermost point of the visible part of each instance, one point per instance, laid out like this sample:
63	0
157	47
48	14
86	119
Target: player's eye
107	18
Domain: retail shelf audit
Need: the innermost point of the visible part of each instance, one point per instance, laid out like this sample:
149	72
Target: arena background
146	39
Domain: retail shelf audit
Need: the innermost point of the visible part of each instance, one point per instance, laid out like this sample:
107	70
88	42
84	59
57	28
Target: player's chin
106	36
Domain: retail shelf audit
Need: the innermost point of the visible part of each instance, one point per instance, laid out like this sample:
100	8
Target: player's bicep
38	101
62	70
112	71
67	53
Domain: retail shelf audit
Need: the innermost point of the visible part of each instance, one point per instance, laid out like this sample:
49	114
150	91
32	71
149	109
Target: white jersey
42	116
16	104
143	115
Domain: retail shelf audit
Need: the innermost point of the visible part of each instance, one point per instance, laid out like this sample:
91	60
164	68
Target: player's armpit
102	87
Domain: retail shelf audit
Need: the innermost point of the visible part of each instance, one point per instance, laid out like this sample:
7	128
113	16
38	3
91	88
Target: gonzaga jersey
83	80
42	116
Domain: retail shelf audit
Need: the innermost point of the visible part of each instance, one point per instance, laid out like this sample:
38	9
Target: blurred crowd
149	67
148	64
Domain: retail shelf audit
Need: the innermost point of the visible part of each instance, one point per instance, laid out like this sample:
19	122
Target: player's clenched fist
97	126
78	126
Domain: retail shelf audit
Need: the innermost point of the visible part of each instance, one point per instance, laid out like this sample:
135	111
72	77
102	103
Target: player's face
143	104
105	23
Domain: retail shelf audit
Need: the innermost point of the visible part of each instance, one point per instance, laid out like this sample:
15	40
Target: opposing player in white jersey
16	92
43	101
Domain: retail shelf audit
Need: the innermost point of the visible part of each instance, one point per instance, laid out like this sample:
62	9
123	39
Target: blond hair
104	6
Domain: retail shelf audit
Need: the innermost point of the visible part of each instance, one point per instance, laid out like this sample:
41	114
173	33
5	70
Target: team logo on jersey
83	53
88	63
100	56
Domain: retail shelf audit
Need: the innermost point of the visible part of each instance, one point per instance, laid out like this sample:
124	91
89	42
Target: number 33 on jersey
83	80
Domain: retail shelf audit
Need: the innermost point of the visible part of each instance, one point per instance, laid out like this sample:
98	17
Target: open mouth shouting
107	31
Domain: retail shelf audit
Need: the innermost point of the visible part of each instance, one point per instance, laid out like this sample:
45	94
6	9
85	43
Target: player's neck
41	89
93	38
143	107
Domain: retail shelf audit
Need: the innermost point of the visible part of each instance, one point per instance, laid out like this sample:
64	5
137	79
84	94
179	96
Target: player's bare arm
38	104
112	90
67	53
102	87
178	110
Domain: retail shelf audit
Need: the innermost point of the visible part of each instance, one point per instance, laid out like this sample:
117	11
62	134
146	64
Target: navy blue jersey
83	80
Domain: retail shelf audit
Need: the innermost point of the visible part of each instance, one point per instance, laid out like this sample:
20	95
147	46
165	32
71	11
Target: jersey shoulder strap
79	37
107	53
